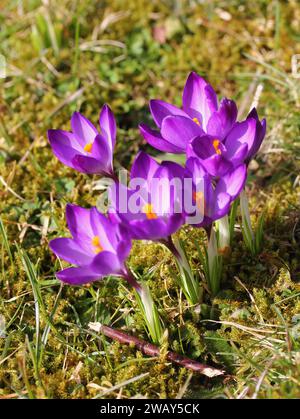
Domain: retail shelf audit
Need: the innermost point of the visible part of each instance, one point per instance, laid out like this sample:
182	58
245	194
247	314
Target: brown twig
152	350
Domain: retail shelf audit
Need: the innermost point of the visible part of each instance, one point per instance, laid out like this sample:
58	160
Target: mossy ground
73	55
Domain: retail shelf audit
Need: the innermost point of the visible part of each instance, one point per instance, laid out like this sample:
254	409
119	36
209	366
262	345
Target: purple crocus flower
151	207
85	149
212	200
220	157
200	114
97	248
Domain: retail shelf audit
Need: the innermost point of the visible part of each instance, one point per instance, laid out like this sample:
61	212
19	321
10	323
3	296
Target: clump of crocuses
160	197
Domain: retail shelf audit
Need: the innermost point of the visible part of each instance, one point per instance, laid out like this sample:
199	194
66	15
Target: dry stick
152	350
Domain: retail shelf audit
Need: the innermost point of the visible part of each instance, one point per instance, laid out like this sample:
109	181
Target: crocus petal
233	182
157	228
222	206
173	224
120	198
216	165
79	222
103	229
221	121
180	130
89	165
253	114
108	125
102	152
241	133
260	133
124	247
106	263
143	166
83	129
70	251
199	99
160	109
155	139
202	184
64	137
239	155
174	170
78	276
64	146
162	197
113	216
264	127
166	189
194	168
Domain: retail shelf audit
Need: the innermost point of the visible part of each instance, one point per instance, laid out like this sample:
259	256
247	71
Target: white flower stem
223	235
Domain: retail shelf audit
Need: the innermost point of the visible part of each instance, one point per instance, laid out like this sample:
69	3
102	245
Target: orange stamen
199	199
216	145
148	210
88	147
196	120
96	244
